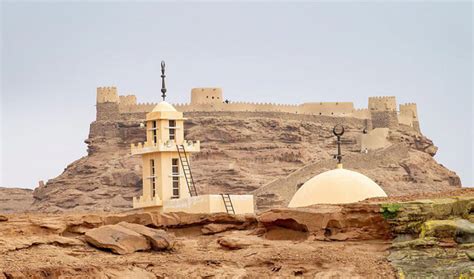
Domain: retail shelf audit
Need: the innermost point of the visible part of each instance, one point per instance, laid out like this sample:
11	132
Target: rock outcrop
385	238
14	200
348	222
240	153
126	238
118	239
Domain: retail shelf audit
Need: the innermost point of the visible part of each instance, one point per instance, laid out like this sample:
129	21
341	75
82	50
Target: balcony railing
160	146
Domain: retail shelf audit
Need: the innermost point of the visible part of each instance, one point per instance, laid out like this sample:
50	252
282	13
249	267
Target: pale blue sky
54	55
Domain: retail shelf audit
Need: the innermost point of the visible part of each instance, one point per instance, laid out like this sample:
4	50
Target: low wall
243	204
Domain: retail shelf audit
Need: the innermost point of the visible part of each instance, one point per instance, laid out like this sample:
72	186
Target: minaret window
175	174
172	129
154	132
152	177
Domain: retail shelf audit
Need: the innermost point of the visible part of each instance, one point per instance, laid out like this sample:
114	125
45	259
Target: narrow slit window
154	132
172	129
152	178
175	175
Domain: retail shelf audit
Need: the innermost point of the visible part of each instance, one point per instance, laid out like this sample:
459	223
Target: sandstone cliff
269	153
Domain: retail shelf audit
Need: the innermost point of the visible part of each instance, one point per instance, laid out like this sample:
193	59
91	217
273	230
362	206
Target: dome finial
338	131
163	87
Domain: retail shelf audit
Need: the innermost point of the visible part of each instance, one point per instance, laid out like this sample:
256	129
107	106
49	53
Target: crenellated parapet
383	103
161	146
381	112
107	95
409	109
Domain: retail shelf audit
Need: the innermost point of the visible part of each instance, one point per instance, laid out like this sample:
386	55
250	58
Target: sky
55	54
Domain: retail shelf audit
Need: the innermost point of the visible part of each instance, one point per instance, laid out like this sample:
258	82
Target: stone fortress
381	112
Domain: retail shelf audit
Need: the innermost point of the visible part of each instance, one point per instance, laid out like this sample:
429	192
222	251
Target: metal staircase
229	207
188	175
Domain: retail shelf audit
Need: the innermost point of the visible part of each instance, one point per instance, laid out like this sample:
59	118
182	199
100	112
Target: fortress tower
409	116
107	105
383	112
206	96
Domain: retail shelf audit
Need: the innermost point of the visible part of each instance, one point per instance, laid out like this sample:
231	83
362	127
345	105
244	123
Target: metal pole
163	87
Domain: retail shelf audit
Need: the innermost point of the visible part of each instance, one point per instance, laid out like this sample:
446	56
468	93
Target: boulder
159	239
118	239
235	240
234	243
3	218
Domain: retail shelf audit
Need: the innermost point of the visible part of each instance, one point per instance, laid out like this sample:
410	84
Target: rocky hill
269	153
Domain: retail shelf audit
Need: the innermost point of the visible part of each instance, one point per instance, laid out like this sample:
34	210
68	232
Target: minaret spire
338	131
163	86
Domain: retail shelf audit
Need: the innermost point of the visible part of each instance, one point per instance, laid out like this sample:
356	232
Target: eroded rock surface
118	239
363	240
433	237
269	153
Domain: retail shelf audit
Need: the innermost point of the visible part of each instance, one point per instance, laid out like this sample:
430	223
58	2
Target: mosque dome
163	106
334	187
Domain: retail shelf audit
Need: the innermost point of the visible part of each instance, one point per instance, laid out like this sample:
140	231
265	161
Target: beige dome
336	186
163	106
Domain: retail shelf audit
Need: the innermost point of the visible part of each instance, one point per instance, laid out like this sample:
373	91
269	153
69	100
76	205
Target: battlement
409	109
107	95
160	146
383	103
381	111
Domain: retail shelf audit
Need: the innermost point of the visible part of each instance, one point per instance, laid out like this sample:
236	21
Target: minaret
165	156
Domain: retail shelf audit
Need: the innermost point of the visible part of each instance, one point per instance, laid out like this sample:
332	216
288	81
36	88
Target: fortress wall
236	106
361	113
405	119
381	113
383	103
108	111
384	119
328	108
137	108
206	95
107	94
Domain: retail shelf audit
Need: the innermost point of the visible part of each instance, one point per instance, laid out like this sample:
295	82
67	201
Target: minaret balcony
167	146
